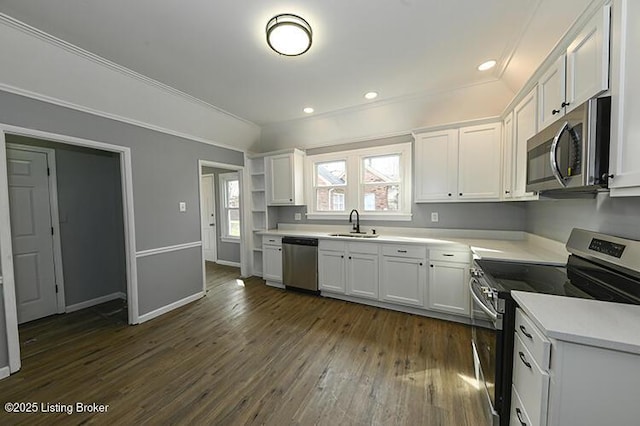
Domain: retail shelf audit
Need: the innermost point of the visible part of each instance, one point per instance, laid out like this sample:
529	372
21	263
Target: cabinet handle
524	360
565	104
402	251
519	414
524	331
555	111
447	255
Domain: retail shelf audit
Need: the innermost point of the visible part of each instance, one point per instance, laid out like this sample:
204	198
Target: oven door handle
493	315
553	155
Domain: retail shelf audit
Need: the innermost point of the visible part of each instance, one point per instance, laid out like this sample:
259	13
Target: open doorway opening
221	215
67	229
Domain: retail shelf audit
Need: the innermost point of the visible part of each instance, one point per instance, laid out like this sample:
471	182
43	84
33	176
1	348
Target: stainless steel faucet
356	227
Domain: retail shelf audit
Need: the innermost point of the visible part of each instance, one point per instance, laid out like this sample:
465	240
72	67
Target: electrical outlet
183	206
297	216
434	217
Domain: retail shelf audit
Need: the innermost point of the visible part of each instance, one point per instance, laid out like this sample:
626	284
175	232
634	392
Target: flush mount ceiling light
371	95
308	110
486	65
288	34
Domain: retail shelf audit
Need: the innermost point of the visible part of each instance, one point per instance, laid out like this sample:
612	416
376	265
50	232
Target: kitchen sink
354	235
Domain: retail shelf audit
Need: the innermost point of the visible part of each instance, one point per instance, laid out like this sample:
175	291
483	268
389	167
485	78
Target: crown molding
48	38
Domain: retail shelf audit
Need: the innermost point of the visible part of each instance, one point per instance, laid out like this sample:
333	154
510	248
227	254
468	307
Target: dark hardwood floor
248	354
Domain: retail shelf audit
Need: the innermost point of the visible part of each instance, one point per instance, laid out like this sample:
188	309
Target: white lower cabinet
332	275
448	282
404	277
362	270
272	260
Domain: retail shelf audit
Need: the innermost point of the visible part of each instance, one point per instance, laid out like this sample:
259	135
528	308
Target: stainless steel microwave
572	154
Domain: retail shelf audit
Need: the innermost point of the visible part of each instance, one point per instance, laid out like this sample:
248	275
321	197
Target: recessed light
308	110
371	95
486	65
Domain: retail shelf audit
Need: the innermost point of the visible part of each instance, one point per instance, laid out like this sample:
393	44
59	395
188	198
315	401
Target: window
376	181
230	206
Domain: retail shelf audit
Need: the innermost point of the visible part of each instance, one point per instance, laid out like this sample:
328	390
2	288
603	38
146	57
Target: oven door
486	337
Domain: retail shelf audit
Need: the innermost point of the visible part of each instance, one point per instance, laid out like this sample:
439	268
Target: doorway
221	207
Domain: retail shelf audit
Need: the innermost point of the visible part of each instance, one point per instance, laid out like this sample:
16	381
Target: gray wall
227	251
556	218
165	172
91	221
498	216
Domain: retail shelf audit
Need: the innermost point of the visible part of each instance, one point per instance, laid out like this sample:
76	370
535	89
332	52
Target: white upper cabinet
625	106
525	125
284	173
479	162
436	166
507	157
551	93
588	60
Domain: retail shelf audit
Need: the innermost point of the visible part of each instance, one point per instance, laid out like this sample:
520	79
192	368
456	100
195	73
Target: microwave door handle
553	155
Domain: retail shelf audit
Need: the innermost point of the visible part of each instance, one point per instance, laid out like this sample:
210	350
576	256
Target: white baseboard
227	263
274	284
153	314
96	301
4	372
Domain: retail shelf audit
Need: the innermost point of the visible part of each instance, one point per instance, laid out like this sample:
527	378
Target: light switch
183	206
434	217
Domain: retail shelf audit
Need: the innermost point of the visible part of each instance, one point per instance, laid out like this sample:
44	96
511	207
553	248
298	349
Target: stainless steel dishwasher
300	263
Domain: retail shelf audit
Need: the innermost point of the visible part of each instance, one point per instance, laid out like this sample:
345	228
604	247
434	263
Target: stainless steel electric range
600	267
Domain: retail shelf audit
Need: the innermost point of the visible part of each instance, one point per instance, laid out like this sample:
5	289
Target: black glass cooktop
580	278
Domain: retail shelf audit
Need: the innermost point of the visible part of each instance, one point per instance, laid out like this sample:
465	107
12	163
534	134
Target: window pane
382	198
381	169
233	194
330	199
331	173
233	222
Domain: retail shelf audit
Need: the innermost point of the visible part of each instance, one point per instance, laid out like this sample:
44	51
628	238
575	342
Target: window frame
224	178
354	189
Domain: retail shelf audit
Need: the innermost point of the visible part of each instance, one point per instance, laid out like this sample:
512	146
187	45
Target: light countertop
511	246
607	325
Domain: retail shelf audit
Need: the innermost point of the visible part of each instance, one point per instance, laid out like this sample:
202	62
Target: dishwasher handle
299	241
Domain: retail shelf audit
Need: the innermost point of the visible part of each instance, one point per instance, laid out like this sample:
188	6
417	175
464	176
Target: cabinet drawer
271	240
519	416
531	383
533	339
331	245
415	252
450	256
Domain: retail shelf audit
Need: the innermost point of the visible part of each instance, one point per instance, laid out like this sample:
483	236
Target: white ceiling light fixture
288	34
371	95
487	65
308	110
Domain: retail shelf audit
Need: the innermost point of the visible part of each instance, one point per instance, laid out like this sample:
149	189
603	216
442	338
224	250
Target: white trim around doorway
6	253
55	220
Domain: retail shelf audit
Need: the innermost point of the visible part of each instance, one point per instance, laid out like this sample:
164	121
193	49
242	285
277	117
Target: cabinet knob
460	194
420	263
279	249
431	266
565	104
507	192
349	257
290	199
606	176
342	257
449	194
555	111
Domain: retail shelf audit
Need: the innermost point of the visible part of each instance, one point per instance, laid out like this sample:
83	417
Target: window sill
230	240
391	217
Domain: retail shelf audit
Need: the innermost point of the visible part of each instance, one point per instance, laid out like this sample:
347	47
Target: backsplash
555	219
500	216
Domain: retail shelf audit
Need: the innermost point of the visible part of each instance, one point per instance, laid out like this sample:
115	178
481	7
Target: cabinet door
362	275
479	163
272	263
436	165
331	271
525	125
507	157
281	187
588	60
403	280
551	94
448	287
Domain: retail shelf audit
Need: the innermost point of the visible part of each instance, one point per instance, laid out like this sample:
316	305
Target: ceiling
217	52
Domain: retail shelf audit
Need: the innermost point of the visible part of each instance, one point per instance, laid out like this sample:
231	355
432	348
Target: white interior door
209	245
31	234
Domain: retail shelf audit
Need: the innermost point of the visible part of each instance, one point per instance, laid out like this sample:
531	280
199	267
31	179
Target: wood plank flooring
248	354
